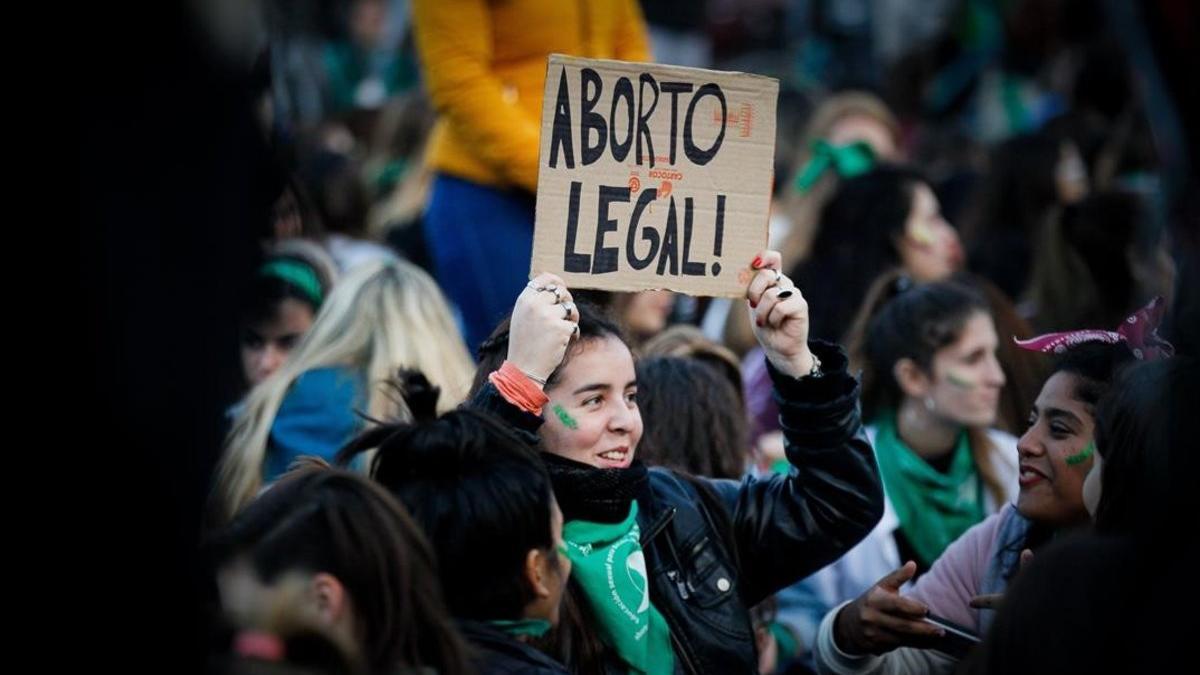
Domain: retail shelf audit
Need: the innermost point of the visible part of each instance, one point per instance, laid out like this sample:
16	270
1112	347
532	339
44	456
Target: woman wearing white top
931	387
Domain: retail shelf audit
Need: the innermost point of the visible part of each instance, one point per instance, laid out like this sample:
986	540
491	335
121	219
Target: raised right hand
543	322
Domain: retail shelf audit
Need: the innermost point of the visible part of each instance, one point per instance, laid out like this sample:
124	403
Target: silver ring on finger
551	289
568	308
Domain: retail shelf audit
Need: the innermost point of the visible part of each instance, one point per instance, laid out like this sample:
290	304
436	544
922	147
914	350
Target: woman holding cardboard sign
667	565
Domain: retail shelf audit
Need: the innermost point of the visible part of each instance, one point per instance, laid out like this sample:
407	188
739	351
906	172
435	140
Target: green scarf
611	569
934	508
522	627
848	161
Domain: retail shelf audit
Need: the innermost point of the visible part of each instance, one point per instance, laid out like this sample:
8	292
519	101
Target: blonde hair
380	317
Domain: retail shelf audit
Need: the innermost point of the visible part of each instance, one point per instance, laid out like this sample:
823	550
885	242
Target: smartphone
958	640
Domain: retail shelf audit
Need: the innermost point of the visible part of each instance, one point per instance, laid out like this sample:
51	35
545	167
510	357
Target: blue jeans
480	239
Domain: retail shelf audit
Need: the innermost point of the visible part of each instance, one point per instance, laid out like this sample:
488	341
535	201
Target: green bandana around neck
610	567
522	627
934	508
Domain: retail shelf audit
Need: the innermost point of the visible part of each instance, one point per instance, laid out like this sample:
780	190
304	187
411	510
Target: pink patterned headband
1139	331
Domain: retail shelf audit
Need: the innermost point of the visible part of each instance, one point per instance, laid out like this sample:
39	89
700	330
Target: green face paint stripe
565	417
1082	455
959	380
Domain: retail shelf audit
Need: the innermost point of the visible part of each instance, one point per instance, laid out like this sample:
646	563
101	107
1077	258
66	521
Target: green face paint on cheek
565	417
923	234
959	380
1082	455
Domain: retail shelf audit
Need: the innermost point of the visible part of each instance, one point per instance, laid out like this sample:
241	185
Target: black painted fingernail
785	294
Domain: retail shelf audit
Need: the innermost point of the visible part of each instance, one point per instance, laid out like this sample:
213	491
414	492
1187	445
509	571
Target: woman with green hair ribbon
848	161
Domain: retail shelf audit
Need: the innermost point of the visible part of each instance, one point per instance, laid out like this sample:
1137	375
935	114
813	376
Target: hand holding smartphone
958	640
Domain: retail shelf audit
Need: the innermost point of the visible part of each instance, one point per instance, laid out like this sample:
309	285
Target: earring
929	405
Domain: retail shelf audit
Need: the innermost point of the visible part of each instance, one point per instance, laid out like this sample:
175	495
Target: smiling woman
1056	450
597	396
884	630
668	564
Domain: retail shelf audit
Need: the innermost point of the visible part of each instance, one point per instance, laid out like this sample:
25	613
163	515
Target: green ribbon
297	274
390	174
848	161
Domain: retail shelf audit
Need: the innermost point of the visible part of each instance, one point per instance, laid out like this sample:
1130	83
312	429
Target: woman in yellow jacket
484	63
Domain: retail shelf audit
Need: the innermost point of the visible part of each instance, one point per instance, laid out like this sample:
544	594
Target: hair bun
419	394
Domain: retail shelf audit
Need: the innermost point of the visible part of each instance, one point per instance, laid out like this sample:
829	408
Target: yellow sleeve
632	41
454	41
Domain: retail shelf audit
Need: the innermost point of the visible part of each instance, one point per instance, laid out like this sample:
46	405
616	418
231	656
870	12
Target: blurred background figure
290	287
484	66
381	317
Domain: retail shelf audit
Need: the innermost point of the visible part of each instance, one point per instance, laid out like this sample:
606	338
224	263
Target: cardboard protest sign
653	176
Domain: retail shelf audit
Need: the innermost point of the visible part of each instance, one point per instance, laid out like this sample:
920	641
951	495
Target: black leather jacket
495	653
715	548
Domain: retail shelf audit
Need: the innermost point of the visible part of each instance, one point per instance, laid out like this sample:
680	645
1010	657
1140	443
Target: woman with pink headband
885	631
